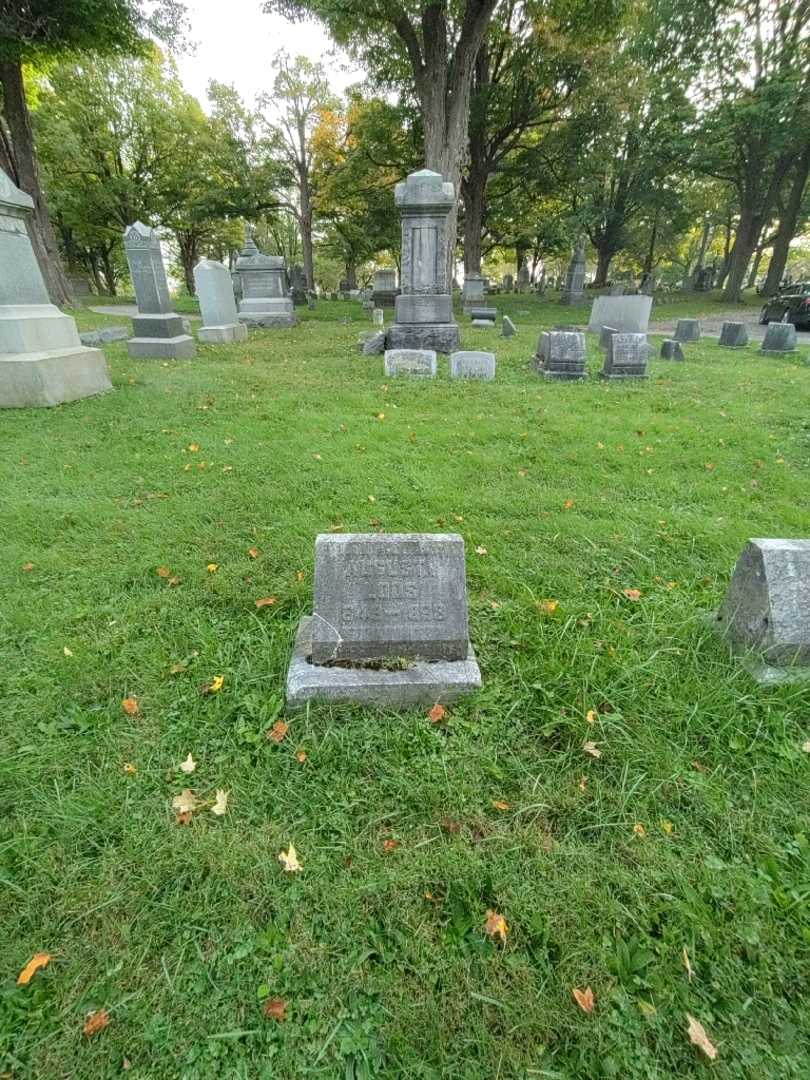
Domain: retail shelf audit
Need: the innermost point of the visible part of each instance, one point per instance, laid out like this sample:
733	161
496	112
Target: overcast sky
235	43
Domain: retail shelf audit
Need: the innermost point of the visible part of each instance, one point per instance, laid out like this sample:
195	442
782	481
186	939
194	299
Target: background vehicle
792	305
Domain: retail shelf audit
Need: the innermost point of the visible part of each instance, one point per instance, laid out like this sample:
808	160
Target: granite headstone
158	332
472	365
217	304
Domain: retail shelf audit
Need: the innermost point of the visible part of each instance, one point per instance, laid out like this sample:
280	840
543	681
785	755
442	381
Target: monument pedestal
160	337
223	335
441	337
52	377
268	312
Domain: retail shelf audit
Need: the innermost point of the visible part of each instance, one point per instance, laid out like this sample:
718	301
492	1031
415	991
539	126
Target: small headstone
217	305
507	282
473	291
561	355
483	315
416	362
626	357
158	332
779	337
733	335
508	328
265	300
616	290
687	330
671	350
472	365
372	344
629	314
574	291
378	316
385	289
605	334
311	304
766	610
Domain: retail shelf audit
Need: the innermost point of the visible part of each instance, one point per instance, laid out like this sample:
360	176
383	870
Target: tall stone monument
217	304
574	291
265	301
158	331
42	361
424	309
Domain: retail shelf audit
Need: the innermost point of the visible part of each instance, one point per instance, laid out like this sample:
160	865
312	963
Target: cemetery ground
619	791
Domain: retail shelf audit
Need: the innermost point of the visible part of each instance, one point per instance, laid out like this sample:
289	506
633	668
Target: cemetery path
129	310
711	325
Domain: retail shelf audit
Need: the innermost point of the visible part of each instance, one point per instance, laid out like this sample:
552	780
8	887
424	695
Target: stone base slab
35	328
430	309
268	319
223	335
563	376
614	375
423	684
761	672
441	337
181	347
36	380
158	326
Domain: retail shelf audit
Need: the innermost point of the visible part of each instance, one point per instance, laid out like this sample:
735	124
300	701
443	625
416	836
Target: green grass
182	932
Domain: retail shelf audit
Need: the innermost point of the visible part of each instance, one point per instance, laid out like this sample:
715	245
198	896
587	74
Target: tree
795	208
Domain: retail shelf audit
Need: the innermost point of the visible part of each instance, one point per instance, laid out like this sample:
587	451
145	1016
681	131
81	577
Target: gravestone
704	279
79	285
42	360
733	335
687	330
779	337
629	314
377	316
344	288
483	316
384	291
605	334
158	332
523	279
508	328
671	350
561	355
626	357
264	288
389	625
420	363
472	365
616	290
472	291
298	286
372	344
507	283
574	291
647	286
766	610
424	310
220	326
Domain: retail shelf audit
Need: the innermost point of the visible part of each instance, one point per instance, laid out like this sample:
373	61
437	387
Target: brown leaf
437	714
568	504
697	1035
496	926
184	818
301	757
254	552
450	825
390	845
28	567
37	961
130	706
499	804
96	1022
278	731
266	601
163	571
584	998
632	594
275	1009
174	581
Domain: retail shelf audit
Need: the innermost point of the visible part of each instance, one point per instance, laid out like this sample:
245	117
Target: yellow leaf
220	803
481	550
584	998
212	567
697	1035
37	961
188	766
130	706
214	686
289	860
129	769
299	575
96	1022
278	731
194	447
639	830
266	601
592	749
668	827
499	804
301	756
548	607
806	747
67	651
568	504
591	716
647	1009
632	594
496	926
371	499
186	802
28	567
163	571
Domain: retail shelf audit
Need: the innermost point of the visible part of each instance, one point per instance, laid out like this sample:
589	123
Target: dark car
792	305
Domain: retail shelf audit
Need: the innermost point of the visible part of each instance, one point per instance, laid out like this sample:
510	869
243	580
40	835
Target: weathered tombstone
298	286
605	334
574	291
158	332
217	305
377	316
483	316
561	355
416	362
507	283
311	304
264	288
704	279
424	310
616	290
42	360
472	365
687	330
389	625
647	286
372	344
472	292
626	357
79	285
344	288
766	610
779	337
384	292
671	350
629	314
733	335
508	328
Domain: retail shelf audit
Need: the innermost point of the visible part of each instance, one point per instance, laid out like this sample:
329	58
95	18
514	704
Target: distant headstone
384	293
298	286
472	365
779	337
485	315
265	301
508	328
79	285
687	330
42	361
574	291
416	362
389	625
671	350
733	335
220	326
704	279
629	314
626	357
507	283
158	332
616	290
766	610
605	334
424	309
311	302
372	344
647	286
377	316
561	355
472	291
344	288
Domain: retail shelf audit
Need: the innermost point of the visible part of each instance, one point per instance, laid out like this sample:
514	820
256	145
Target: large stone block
443	338
626	357
36	380
779	337
181	347
687	330
223	335
415	362
472	365
733	335
561	355
424	309
629	314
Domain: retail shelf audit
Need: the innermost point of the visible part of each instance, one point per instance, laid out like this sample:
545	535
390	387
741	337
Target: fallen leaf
697	1035
301	757
317	457
220	803
299	575
568	504
632	594
37	961
96	1022
481	550
499	804
647	1009
188	766
254	552
371	499
437	714
186	802
275	1009
214	685
212	567
163	571
194	447
289	860
591	716
126	1064
390	845
278	731
548	607
67	651
129	769
687	964
668	827
266	601
184	818
130	706
178	668
584	998
639	830
583	783
806	747
174	580
496	926
592	749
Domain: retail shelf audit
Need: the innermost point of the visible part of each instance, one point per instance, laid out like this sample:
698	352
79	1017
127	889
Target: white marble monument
217	304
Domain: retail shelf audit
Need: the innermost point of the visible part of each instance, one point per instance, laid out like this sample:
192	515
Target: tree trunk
25	175
92	259
745	243
704	243
649	261
109	270
474	192
604	257
788	223
752	275
351	274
